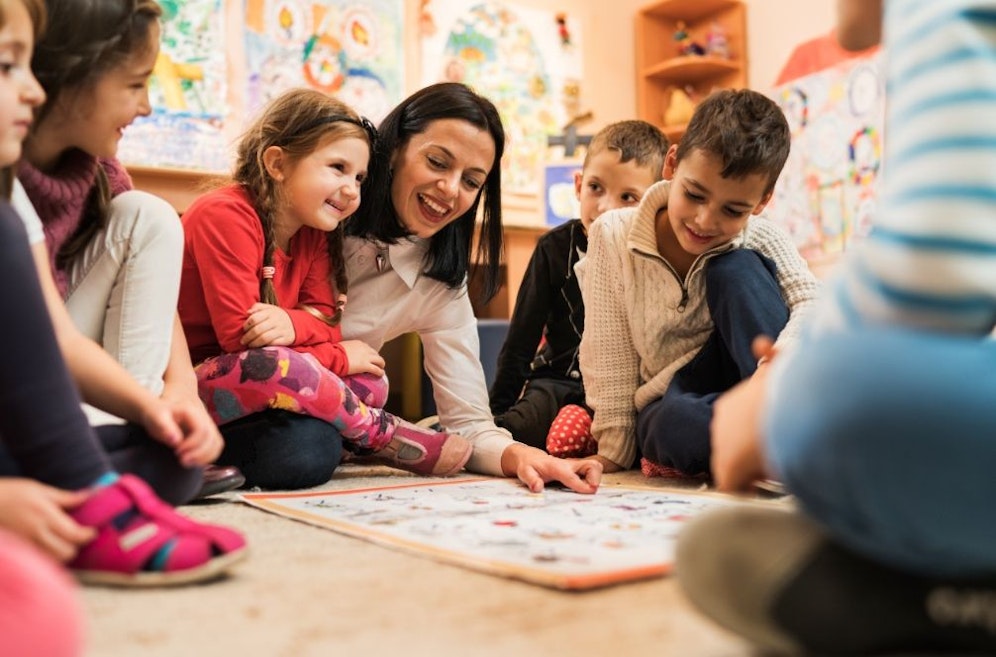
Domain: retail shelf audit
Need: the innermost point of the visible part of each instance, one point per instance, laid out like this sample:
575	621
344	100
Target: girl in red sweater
263	287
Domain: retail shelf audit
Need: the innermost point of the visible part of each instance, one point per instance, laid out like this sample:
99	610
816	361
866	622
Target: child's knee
147	219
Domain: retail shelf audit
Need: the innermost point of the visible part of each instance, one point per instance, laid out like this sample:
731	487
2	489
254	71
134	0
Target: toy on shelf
680	106
685	44
717	44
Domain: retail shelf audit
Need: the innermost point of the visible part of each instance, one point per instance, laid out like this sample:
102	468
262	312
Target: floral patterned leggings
239	384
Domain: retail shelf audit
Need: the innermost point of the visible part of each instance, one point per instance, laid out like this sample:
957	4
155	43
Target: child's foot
142	541
570	434
774	577
653	469
219	479
424	452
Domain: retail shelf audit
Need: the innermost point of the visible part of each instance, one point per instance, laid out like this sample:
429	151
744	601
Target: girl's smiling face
322	189
20	92
439	174
93	118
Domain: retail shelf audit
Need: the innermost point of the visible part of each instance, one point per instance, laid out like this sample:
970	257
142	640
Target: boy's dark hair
448	256
633	140
744	128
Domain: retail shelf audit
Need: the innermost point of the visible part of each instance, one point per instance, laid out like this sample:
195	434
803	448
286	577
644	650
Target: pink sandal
424	451
142	541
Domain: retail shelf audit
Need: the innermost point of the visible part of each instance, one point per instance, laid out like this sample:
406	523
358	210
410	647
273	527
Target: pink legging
239	384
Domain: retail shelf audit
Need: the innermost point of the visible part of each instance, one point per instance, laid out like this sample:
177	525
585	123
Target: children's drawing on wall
826	193
561	199
352	50
527	61
187	92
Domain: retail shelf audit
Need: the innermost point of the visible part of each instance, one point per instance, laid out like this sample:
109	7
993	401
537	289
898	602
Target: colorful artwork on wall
560	198
350	49
187	91
519	58
826	194
207	83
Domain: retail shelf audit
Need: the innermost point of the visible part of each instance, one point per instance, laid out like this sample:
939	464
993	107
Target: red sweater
222	269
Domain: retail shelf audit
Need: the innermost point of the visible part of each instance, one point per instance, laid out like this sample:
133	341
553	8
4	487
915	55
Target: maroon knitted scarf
59	196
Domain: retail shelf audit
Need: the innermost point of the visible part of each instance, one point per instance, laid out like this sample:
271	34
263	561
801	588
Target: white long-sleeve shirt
388	297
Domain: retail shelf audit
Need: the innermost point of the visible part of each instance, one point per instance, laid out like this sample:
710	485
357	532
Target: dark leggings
282	450
44	434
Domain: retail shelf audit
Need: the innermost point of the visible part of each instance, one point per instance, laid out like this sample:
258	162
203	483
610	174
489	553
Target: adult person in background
408	255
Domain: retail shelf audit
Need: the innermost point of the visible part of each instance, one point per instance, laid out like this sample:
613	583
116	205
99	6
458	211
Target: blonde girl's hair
84	40
37	14
299	122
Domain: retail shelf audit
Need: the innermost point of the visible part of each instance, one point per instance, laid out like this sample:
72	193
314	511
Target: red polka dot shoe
570	434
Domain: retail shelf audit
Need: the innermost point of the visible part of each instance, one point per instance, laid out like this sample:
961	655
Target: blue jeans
744	301
888	438
282	450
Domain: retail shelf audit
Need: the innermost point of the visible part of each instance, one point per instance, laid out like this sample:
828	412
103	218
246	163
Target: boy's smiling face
606	184
704	209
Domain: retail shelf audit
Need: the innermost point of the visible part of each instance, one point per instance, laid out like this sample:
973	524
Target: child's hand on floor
37	513
267	325
737	443
363	358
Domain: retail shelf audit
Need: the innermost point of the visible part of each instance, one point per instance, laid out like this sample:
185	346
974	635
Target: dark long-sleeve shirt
549	302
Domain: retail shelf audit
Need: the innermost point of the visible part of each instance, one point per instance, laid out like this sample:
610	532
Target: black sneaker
772	576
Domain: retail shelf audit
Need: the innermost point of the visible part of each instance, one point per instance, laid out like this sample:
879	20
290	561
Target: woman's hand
267	325
362	358
534	468
37	513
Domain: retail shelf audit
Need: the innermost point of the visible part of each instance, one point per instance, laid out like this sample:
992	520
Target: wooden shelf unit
660	66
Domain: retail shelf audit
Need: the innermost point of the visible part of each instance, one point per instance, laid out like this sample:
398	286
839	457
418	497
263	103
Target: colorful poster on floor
556	538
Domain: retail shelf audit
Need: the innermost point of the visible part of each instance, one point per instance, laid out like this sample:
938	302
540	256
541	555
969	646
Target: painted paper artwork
349	49
187	92
826	193
556	538
561	199
527	61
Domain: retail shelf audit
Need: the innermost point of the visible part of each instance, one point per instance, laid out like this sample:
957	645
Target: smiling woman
409	257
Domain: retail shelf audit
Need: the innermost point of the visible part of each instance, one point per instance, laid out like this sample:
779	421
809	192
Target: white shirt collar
406	259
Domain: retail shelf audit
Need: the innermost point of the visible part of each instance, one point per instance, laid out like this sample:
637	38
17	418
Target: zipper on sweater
684	289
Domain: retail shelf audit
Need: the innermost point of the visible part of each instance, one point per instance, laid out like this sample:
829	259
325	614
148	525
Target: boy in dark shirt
538	374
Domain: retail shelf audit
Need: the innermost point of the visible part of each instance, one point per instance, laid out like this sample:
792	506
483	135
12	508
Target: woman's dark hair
84	39
448	256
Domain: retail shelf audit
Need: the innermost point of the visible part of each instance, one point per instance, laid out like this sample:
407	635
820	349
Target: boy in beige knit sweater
676	289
